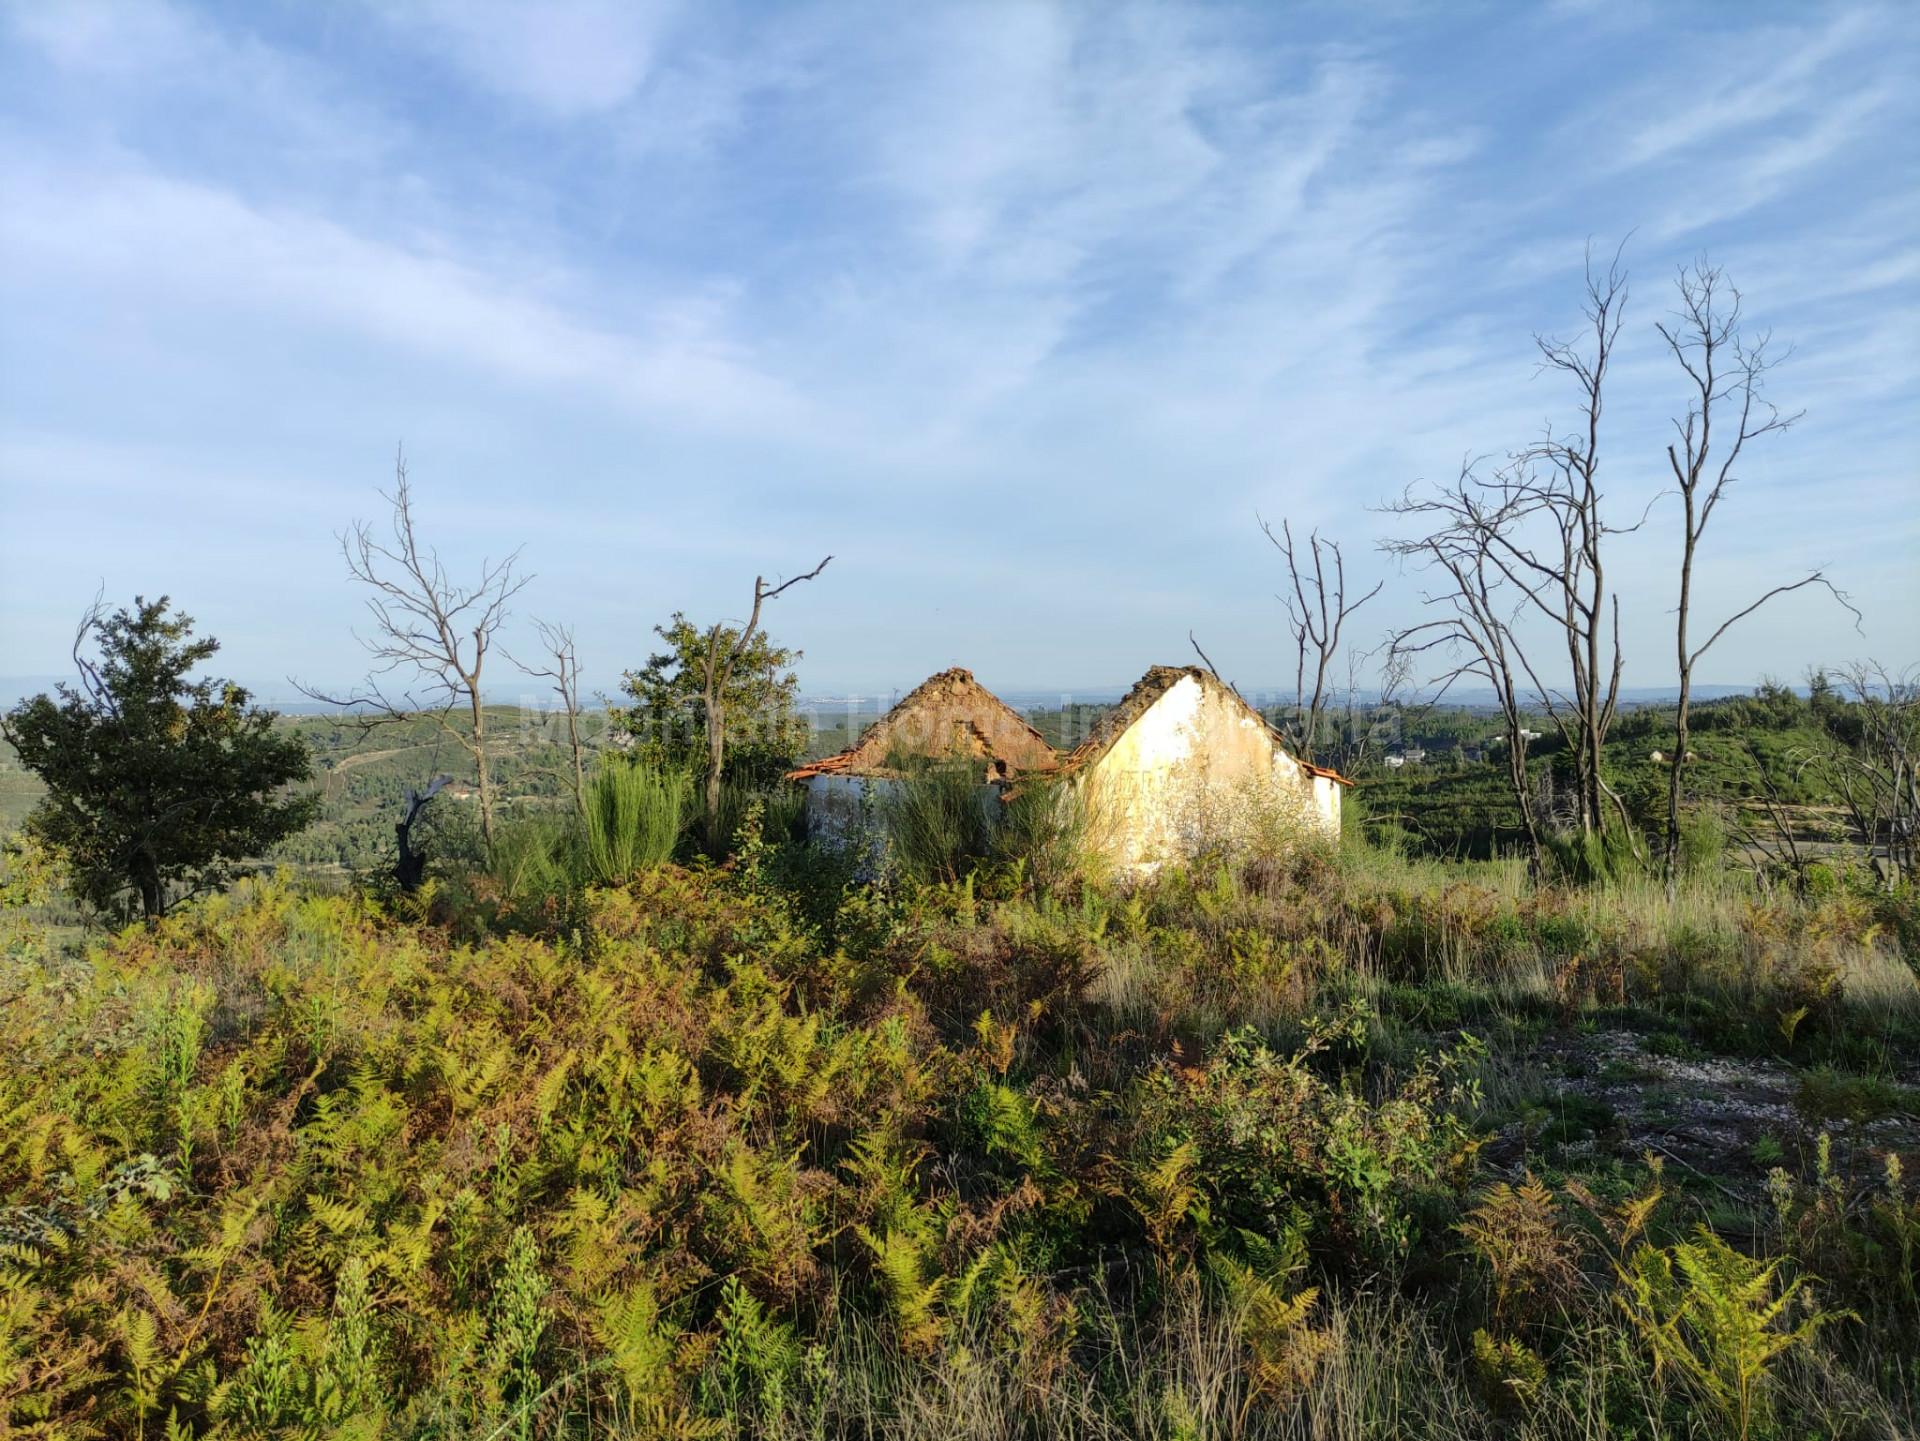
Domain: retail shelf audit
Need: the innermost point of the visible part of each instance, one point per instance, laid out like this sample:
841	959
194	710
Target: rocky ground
1723	1121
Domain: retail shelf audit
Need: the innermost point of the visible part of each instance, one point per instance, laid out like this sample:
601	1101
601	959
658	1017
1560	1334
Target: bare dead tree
1317	609
1547	531
723	654
1532	535
1877	775
1367	724
1539	524
561	666
1726	373
426	629
1475	608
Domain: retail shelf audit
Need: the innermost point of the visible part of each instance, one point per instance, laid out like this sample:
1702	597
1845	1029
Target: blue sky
1022	311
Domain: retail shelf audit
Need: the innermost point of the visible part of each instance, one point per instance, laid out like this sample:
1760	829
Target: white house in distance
1182	763
947	717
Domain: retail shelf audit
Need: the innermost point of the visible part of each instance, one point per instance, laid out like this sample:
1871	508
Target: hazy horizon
530	695
1022	312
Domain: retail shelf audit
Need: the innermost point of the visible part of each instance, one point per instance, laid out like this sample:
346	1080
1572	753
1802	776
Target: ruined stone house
949	717
1183	764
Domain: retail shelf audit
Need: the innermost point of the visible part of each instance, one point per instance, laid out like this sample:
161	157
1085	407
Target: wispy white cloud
1707	92
1020	309
569	58
140	73
1772	166
175	246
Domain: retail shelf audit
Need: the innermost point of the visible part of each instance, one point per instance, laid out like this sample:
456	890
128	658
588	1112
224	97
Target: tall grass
1392	1371
939	822
632	818
1047	827
1196	949
534	855
716	830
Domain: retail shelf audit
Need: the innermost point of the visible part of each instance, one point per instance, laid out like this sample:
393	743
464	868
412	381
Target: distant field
18	790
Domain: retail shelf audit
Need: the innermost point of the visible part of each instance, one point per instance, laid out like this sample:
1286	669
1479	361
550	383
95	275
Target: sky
1023	312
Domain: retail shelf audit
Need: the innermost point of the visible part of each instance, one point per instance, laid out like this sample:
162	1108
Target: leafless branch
1317	610
1726	374
90	621
426	626
1207	661
723	654
562	667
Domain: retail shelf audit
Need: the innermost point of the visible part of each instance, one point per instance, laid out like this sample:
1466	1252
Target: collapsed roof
1147	690
949	716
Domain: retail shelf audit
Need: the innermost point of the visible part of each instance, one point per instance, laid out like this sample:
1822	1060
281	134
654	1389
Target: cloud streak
1023	310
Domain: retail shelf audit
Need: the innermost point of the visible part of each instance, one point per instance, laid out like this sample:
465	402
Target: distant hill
1629	696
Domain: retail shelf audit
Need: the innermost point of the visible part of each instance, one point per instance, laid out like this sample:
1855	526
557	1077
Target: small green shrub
1590	858
1274	1143
631	819
534	856
1862	1240
715	831
1703	840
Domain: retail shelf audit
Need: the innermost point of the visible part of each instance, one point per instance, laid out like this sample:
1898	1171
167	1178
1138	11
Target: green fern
757	1357
519	1321
640	1345
1168	1196
146	1366
350	1366
1510	1372
1717	1319
913	1297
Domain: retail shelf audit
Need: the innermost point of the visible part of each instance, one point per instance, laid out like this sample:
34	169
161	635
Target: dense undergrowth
760	1150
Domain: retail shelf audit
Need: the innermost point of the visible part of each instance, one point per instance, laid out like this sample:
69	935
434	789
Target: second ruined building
1180	765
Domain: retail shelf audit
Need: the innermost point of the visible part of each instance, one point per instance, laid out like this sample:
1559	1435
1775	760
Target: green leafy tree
765	732
156	783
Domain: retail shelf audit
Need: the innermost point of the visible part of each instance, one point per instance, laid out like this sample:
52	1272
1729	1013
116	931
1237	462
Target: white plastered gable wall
1326	804
1197	768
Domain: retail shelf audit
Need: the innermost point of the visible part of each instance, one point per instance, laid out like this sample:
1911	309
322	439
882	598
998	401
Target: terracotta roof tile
1313	770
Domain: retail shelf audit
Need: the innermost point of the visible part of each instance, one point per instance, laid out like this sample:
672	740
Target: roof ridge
953	675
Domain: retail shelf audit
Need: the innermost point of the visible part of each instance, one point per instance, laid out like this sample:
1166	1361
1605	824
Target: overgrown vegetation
631	1147
1777	780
